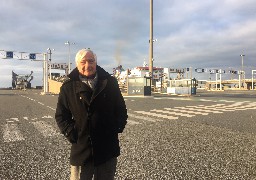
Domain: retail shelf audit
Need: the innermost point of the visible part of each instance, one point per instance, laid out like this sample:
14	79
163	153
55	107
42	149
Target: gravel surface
213	146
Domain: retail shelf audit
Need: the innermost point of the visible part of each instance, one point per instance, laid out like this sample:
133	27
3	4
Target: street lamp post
45	73
243	74
151	42
50	60
68	43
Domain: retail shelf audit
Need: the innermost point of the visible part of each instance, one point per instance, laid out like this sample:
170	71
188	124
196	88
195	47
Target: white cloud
190	33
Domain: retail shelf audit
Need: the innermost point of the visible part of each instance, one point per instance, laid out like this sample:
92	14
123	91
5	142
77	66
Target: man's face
87	65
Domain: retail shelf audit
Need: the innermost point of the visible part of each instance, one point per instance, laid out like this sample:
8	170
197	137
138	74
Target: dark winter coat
91	120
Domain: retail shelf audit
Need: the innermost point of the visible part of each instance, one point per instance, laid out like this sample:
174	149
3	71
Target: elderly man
90	113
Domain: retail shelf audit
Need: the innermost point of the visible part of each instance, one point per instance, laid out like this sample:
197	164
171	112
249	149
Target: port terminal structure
51	84
41	57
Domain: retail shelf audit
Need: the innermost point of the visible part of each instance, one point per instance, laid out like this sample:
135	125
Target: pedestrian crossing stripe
143	118
172	113
194	109
190	111
186	110
45	129
156	115
15	119
132	122
11	133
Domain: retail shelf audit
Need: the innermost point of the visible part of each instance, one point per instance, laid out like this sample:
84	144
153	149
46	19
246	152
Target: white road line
212	108
47	117
205	100
15	119
241	108
182	99
156	115
218	105
186	111
40	103
198	110
8	121
45	129
251	108
132	122
229	109
11	133
173	113
225	100
238	103
143	118
51	108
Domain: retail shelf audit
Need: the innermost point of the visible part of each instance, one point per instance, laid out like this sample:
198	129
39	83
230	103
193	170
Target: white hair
81	53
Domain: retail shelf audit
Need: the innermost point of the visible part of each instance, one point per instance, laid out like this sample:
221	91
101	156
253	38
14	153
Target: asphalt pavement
210	135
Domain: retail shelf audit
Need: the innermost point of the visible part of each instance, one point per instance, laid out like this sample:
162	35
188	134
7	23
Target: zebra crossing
11	131
45	129
175	113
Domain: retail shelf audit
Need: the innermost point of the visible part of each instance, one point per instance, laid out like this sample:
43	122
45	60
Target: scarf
91	82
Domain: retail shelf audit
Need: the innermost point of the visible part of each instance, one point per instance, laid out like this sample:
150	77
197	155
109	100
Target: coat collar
83	90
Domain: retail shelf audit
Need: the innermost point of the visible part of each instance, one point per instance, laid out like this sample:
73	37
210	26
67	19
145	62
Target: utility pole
50	60
151	42
45	73
243	73
69	65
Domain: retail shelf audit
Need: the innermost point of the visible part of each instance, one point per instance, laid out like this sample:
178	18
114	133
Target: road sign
62	66
32	56
9	54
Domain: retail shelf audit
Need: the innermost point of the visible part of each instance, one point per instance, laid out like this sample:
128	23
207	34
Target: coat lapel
100	86
84	92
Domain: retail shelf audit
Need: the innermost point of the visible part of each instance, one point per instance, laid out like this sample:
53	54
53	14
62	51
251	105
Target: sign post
45	74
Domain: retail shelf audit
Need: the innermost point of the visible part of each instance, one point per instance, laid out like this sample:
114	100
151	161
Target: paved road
208	136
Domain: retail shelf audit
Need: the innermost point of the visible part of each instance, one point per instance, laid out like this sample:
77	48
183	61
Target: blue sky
198	33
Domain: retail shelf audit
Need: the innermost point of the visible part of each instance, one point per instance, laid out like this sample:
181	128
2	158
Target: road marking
186	111
40	103
172	113
190	111
143	118
206	100
212	110
8	121
15	119
51	108
222	100
45	129
11	133
47	117
156	115
132	122
196	109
